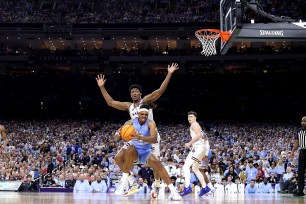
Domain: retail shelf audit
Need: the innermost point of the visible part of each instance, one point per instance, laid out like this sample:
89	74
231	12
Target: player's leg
205	158
154	163
156	183
120	157
142	157
187	174
205	189
198	155
125	168
207	181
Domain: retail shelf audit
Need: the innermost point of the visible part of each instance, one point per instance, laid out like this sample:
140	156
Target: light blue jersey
143	148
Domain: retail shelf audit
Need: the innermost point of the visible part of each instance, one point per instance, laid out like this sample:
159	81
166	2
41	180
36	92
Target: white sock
157	182
210	185
125	175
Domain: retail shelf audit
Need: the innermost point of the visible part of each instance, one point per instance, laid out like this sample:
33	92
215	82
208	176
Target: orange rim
225	35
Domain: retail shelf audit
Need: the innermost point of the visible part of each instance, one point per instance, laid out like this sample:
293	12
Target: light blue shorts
143	155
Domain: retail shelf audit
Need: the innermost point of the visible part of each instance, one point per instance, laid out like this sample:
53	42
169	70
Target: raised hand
173	67
100	80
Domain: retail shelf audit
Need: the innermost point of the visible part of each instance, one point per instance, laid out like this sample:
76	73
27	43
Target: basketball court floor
110	198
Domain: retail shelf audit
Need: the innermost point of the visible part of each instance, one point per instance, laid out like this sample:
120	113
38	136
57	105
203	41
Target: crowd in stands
79	155
94	54
145	11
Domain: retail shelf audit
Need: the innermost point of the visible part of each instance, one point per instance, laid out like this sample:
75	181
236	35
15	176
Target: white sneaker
155	189
175	196
131	180
124	186
134	189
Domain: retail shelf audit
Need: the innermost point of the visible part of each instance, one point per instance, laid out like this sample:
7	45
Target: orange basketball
127	132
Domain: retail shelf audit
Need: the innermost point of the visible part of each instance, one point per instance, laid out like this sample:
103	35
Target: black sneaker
299	194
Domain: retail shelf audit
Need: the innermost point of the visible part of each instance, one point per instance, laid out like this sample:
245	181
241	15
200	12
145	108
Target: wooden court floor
110	198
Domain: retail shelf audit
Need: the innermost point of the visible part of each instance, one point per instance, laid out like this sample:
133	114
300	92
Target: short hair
173	177
192	113
135	86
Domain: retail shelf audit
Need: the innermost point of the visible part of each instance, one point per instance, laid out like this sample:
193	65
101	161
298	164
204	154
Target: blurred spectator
265	187
146	173
49	182
29	184
82	185
251	188
99	186
251	172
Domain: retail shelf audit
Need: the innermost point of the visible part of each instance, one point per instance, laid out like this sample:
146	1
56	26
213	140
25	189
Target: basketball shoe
124	186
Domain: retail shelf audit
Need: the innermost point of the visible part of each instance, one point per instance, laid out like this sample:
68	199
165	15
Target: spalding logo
272	32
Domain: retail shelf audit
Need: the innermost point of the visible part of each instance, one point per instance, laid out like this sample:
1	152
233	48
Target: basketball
127	132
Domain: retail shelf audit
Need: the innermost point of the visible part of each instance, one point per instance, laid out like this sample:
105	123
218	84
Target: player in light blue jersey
140	152
132	108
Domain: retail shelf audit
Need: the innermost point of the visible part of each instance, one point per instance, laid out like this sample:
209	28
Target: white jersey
133	111
200	141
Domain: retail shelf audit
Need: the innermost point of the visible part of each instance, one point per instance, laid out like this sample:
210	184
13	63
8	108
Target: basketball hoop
208	38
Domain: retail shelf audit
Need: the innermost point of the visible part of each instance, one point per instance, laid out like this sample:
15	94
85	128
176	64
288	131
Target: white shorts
155	147
196	154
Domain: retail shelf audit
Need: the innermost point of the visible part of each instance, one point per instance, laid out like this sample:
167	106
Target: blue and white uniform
143	148
199	148
133	111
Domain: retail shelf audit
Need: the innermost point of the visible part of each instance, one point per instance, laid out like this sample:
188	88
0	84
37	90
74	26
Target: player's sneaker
175	196
131	180
134	189
204	191
186	191
124	186
155	189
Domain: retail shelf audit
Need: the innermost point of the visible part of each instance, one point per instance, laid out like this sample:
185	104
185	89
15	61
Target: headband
143	109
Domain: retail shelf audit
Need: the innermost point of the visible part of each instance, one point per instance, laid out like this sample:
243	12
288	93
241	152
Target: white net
208	39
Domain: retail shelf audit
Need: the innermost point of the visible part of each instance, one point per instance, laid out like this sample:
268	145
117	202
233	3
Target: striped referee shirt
302	138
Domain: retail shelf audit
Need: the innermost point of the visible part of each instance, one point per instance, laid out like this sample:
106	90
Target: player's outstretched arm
157	93
109	100
3	134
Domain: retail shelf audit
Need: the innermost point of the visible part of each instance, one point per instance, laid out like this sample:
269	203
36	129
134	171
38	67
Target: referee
300	140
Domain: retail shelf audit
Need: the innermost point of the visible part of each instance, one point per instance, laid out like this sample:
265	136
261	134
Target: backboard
242	31
230	21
